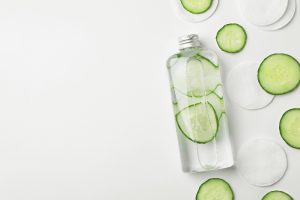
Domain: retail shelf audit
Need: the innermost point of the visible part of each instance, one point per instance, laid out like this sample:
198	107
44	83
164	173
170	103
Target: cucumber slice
198	122
217	102
196	6
279	74
231	38
277	195
213	189
200	77
290	127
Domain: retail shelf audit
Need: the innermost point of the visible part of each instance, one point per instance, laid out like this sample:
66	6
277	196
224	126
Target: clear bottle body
200	115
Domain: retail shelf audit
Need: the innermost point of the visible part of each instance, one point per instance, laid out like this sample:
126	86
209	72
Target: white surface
261	162
243	88
85	102
265	12
289	15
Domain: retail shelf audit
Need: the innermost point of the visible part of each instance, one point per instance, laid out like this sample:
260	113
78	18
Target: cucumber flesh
196	6
290	127
214	189
279	74
277	195
200	77
198	122
231	38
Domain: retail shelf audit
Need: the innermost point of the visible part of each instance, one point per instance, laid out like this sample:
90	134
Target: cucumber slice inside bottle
277	195
217	103
213	189
196	6
215	100
290	127
231	38
200	77
199	122
279	74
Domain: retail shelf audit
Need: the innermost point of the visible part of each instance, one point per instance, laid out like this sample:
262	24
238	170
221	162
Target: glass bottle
198	102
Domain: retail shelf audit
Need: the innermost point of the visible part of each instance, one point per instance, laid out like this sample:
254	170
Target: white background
85	109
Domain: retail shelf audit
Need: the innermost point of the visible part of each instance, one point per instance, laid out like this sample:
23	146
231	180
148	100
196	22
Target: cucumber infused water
199	110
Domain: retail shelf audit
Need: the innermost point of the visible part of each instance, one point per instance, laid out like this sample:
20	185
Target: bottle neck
188	42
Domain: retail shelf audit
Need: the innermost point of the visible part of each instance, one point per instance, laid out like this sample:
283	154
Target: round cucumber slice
213	189
244	89
196	6
263	13
189	16
231	38
200	77
215	100
262	162
217	103
285	20
290	127
198	122
279	74
277	195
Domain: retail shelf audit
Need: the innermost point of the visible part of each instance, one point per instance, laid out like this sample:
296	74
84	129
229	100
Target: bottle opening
189	41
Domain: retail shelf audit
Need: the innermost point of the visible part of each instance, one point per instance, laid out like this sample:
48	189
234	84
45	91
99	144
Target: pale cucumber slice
290	127
262	162
198	122
277	195
243	88
285	20
189	16
216	101
198	78
215	189
219	91
263	13
231	38
196	6
279	74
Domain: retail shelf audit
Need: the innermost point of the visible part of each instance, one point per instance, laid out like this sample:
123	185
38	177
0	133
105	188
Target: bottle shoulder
191	53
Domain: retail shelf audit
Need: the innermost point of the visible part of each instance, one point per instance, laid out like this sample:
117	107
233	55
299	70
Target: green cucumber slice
231	38
214	99
217	103
277	195
213	189
200	77
289	127
199	122
196	6
279	74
